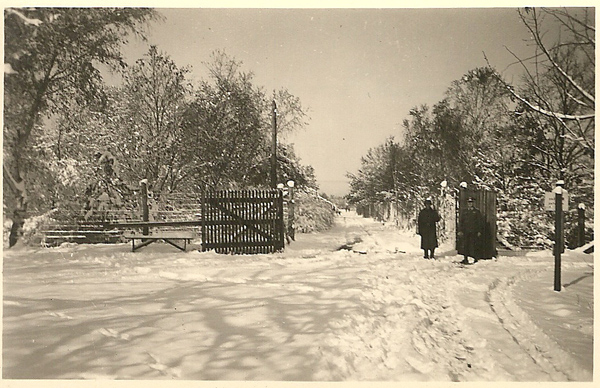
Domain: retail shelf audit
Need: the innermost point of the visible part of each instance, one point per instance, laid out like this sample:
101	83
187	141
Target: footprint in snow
423	367
162	368
113	334
59	315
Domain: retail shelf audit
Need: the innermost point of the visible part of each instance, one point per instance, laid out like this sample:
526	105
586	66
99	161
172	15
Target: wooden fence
243	221
231	221
78	231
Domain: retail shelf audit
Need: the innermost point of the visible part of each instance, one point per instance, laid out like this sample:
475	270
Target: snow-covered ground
374	311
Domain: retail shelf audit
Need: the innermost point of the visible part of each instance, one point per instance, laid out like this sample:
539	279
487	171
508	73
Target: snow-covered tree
51	58
146	119
556	100
227	129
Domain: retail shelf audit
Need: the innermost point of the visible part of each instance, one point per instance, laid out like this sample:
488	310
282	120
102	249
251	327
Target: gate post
291	228
204	215
280	232
581	224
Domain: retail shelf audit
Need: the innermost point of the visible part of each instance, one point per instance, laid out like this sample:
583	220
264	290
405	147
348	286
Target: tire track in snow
545	352
441	343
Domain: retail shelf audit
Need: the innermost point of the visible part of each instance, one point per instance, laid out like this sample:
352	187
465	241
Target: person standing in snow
428	217
470	229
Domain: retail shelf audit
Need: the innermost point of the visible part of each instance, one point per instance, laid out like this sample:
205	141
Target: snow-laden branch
578	101
316	194
546	112
560	117
572	19
536	35
537	108
26	20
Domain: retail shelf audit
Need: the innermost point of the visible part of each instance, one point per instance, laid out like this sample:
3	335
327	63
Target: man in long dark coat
470	229
428	217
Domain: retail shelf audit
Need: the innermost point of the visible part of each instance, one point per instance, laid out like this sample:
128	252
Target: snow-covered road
374	310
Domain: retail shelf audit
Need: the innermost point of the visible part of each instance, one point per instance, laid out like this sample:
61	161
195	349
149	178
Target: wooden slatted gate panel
485	201
243	221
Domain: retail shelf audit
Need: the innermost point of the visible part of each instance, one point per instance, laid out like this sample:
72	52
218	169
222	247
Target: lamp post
291	228
274	145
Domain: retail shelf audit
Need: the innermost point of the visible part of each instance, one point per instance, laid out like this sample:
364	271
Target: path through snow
372	311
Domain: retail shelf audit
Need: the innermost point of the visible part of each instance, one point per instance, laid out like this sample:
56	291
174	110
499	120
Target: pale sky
358	71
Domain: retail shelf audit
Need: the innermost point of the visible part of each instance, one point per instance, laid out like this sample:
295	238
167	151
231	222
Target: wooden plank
64	236
149	239
159	236
86	232
154	224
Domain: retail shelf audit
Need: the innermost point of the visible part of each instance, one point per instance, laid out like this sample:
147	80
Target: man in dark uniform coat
470	228
428	216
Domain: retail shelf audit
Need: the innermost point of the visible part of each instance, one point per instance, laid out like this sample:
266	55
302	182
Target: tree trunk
17	186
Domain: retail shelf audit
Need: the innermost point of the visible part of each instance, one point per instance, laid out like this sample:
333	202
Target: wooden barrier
243	221
231	221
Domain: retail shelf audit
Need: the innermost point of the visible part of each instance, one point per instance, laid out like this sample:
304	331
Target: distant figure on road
428	217
470	227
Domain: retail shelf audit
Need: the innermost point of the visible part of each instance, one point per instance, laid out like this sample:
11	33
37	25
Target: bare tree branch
545	112
538	39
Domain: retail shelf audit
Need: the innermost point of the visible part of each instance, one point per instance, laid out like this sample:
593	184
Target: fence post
558	239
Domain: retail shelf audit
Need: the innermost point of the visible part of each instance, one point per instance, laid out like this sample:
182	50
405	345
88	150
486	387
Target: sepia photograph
277	194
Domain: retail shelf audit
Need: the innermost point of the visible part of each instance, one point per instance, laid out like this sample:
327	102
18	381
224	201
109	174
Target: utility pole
274	147
395	188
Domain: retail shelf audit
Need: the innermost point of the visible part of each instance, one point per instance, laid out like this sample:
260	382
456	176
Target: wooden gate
485	201
243	221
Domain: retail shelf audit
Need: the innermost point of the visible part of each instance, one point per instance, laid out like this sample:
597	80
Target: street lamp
291	228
